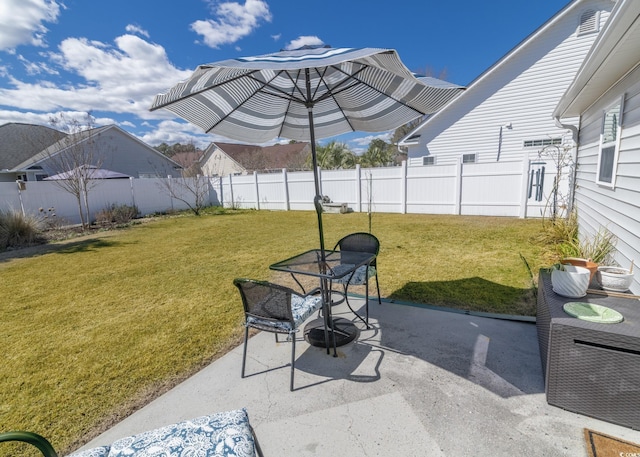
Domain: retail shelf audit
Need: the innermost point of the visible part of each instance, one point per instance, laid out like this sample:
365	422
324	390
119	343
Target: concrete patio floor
420	382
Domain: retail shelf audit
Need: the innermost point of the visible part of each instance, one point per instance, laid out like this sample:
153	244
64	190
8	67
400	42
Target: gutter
574	136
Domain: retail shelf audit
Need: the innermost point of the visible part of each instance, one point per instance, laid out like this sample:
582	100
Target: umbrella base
344	330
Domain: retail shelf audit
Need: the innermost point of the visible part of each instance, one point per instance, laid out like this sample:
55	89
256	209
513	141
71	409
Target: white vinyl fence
148	195
500	189
496	189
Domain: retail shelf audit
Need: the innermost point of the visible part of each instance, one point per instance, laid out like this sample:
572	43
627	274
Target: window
429	160
609	144
542	142
589	22
468	158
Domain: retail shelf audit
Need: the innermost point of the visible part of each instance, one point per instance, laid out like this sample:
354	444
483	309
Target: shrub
18	230
563	234
117	214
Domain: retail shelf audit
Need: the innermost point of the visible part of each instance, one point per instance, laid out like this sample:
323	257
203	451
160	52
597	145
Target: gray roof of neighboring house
254	158
187	159
21	142
63	142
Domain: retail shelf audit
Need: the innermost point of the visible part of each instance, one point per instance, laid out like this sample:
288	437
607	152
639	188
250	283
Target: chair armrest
34	439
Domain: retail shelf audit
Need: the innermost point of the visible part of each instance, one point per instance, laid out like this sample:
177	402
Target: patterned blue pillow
102	451
301	309
221	434
360	276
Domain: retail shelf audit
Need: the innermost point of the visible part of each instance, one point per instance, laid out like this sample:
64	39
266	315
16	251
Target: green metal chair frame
34	439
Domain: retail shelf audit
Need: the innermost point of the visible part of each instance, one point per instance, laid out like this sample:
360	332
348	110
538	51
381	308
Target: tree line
335	155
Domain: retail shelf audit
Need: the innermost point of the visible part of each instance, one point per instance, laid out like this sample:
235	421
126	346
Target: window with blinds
609	144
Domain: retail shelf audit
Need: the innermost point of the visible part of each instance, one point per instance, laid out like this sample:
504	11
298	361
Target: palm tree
334	156
379	154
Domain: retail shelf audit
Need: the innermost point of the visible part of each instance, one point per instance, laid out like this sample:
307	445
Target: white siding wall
220	164
618	209
522	91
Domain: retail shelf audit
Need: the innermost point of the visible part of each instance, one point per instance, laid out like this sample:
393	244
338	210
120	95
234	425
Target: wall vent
429	160
589	22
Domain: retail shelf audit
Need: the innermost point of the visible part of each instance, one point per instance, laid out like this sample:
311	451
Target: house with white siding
504	115
605	96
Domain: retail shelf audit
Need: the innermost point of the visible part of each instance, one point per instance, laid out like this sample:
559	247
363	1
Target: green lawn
94	328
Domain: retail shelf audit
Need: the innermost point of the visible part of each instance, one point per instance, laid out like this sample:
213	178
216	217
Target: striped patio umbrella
304	94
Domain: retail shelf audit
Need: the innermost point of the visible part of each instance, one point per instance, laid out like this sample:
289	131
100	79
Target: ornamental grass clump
563	234
18	230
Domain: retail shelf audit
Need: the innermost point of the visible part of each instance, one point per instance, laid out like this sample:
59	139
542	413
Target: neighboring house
605	95
28	152
190	162
223	159
20	142
505	114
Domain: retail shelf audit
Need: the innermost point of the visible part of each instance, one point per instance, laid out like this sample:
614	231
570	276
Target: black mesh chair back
361	242
274	308
267	303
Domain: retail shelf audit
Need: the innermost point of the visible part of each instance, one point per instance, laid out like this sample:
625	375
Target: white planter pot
615	279
571	282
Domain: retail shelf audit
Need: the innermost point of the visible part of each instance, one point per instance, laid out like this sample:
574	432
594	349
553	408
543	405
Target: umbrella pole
317	201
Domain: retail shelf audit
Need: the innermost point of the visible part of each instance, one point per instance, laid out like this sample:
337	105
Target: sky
64	59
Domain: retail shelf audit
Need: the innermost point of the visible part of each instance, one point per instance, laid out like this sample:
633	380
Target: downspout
574	136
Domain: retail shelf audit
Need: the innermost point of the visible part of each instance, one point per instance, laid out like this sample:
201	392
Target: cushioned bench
222	434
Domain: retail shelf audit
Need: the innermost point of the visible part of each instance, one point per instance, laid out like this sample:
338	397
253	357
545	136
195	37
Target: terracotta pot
585	263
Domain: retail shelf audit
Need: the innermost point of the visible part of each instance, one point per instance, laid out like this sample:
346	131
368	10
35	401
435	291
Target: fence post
170	191
285	182
255	181
133	193
231	191
21	186
358	188
458	189
403	190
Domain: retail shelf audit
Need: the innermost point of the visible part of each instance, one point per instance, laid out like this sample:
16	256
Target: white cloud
304	41
233	21
120	79
7	116
22	21
171	132
137	30
365	140
36	68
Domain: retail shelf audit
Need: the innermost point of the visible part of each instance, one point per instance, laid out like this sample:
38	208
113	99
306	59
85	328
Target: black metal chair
360	242
276	309
43	445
